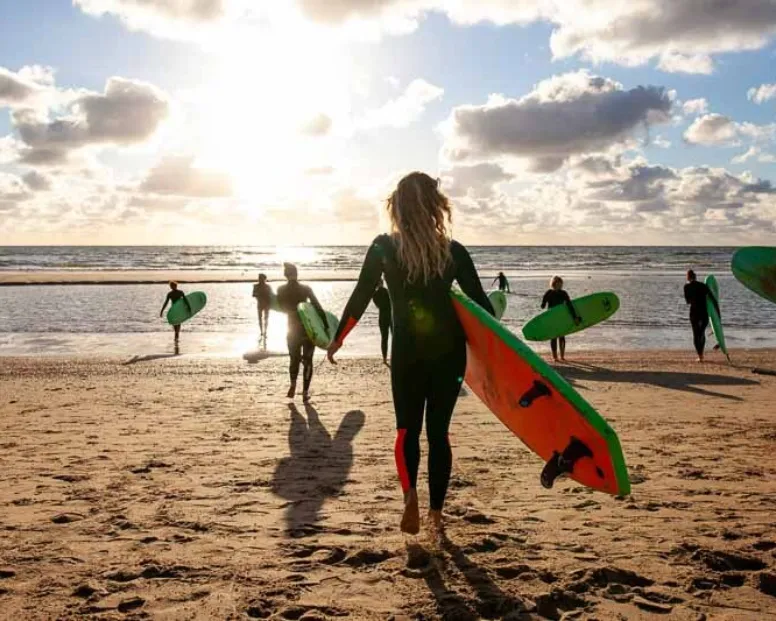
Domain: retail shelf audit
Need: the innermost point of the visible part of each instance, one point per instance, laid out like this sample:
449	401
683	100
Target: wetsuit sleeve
568	302
467	277
371	271
687	294
318	308
545	299
255	291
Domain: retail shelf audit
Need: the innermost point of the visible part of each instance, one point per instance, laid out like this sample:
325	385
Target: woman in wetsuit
555	296
428	352
695	294
173	295
382	300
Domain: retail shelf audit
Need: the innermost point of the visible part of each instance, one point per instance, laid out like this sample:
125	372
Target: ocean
123	319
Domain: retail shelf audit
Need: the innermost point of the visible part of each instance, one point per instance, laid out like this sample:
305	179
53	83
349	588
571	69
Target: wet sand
190	488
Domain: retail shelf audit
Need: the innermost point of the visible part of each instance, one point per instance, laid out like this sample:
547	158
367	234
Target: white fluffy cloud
319	125
177	176
755	154
681	36
405	109
720	130
565	115
695	106
26	87
762	93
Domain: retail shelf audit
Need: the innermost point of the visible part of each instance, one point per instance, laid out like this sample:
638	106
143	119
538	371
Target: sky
647	122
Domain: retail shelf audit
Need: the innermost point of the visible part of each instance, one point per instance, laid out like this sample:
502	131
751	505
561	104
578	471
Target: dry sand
190	489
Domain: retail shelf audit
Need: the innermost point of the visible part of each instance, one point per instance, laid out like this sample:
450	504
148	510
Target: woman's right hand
333	349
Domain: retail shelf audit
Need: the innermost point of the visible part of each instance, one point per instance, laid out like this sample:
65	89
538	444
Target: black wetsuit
503	283
172	297
428	355
263	294
695	294
382	300
300	347
551	299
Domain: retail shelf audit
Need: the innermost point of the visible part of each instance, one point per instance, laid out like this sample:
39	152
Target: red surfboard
538	405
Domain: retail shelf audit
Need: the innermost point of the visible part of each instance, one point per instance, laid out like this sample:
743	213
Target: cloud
718	130
128	112
36	181
475	182
177	176
695	106
319	125
566	115
405	109
169	18
754	153
762	93
13	192
319	171
25	87
681	35
671	62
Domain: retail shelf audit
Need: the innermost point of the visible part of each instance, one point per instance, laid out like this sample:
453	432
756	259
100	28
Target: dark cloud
128	112
36	181
177	176
563	116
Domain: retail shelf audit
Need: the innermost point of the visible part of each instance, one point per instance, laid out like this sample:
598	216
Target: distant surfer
263	294
428	354
382	301
300	347
503	283
555	296
695	294
173	296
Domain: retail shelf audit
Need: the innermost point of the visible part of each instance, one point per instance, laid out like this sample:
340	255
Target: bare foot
436	527
410	520
291	392
386	363
306	397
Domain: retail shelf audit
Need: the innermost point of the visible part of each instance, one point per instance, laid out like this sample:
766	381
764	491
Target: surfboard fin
563	463
539	389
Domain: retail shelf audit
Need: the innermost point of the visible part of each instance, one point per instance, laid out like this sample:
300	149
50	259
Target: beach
189	487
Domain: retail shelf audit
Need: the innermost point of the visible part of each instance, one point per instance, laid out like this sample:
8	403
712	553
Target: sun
254	107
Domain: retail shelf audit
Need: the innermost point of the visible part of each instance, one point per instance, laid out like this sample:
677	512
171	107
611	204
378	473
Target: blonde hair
420	215
556	280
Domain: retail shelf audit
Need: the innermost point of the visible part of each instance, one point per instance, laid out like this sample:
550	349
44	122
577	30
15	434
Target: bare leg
562	343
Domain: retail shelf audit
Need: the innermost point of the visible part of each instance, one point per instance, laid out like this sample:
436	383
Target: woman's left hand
333	349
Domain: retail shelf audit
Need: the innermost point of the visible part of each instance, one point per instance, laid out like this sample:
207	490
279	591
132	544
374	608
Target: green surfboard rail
179	312
314	327
715	319
558	321
560	384
755	268
498	300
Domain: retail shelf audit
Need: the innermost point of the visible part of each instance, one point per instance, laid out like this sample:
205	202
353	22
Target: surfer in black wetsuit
173	296
555	296
503	283
263	294
428	352
300	347
695	294
382	301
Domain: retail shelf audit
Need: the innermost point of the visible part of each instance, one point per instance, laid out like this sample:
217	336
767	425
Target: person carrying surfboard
173	296
555	296
263	294
300	347
428	354
382	301
503	283
695	294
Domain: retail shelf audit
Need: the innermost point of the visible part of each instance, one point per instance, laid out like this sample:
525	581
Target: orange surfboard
538	405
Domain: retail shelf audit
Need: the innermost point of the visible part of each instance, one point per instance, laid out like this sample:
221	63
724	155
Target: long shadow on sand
317	467
490	603
687	382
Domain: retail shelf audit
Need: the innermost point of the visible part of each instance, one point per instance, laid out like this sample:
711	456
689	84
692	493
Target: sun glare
253	112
